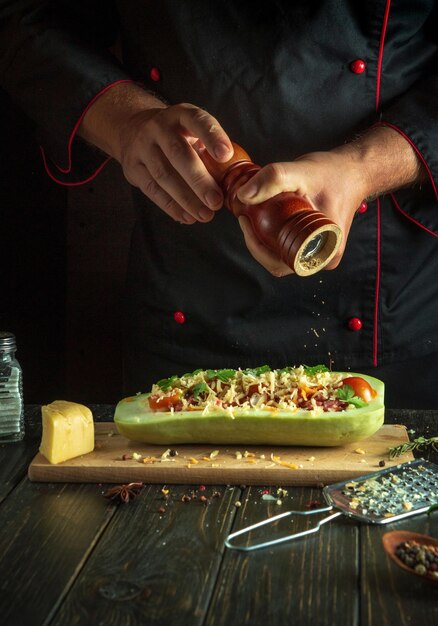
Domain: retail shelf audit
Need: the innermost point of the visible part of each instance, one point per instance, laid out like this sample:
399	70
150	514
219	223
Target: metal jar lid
7	341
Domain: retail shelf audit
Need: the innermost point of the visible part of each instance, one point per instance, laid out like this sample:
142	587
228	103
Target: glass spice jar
11	391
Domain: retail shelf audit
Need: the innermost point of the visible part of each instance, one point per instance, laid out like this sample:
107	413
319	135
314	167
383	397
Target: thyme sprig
420	443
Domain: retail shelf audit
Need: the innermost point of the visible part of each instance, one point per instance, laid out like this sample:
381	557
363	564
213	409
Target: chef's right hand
155	145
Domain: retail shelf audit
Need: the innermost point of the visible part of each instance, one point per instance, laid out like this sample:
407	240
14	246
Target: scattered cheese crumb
136	456
359	451
289	465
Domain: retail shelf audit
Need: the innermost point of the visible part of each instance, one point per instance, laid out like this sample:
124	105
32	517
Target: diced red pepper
164	403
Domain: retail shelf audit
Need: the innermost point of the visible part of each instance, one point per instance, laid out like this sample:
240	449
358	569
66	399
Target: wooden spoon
392	539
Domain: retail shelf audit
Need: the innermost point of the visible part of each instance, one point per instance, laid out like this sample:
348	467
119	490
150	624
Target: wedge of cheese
68	431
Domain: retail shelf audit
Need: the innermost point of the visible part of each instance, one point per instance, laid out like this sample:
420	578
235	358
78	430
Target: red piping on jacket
382	45
409	217
74	184
68	169
377	291
378	244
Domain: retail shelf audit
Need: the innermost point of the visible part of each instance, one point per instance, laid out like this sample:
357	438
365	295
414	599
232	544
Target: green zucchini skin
135	421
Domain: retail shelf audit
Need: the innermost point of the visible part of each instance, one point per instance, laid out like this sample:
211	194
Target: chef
338	100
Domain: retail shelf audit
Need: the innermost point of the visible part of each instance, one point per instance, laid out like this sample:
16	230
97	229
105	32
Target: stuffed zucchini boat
296	406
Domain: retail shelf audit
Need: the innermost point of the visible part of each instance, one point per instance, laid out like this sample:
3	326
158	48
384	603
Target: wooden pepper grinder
304	238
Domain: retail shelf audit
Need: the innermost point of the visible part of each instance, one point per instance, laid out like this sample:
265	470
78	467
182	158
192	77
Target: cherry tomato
361	388
164	403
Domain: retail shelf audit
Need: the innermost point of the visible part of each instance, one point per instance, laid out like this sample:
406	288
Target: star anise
124	493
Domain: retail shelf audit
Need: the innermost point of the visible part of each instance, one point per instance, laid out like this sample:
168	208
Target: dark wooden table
70	556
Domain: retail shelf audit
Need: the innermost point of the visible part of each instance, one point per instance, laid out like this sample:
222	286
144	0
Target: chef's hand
336	182
154	144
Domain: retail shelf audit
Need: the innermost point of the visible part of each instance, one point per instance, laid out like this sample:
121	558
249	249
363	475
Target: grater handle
256	546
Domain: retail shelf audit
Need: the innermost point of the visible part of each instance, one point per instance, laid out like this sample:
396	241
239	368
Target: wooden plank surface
311	581
258	466
14	462
389	594
47	533
156	564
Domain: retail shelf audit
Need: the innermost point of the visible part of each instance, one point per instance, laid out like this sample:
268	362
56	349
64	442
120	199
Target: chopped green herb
198	389
311	370
257	371
225	375
346	394
165	383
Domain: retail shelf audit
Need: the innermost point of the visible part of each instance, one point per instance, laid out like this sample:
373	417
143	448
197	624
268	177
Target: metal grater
378	498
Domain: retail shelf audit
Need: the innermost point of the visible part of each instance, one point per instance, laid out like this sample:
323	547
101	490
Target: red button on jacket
358	66
363	207
354	324
155	74
179	317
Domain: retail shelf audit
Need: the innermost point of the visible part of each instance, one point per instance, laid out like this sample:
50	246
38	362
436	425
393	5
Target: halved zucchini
135	420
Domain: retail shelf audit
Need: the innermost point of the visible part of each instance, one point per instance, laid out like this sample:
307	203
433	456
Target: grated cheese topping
311	388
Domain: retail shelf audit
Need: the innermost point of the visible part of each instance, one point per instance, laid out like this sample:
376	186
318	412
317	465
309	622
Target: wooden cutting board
195	464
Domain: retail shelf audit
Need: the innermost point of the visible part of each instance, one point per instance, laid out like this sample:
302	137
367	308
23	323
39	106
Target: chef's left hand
335	182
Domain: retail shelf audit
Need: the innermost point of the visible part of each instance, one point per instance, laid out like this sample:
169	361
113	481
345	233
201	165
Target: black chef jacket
283	78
